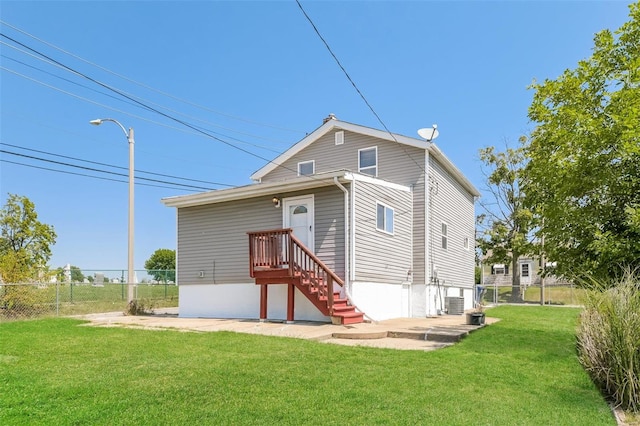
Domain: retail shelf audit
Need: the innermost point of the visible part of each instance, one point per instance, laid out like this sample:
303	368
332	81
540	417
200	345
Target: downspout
348	220
347	230
428	273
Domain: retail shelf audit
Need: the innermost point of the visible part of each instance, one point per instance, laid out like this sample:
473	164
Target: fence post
71	292
57	299
165	283
572	301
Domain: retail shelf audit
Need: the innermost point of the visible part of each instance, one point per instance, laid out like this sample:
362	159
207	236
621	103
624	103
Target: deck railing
280	249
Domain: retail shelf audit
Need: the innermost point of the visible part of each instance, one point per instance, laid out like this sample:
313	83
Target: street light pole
129	136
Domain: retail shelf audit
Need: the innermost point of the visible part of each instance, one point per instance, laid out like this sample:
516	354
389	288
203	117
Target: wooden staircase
278	257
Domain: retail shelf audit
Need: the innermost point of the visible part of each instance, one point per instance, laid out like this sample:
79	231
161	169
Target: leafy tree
76	274
161	265
478	275
25	242
505	224
584	154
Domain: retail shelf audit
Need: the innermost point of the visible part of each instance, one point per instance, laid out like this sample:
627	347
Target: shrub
609	340
140	307
25	300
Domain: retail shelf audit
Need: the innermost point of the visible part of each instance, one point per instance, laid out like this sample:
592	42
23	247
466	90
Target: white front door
298	215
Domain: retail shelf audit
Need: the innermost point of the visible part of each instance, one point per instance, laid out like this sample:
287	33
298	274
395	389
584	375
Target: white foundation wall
436	298
386	301
242	301
381	301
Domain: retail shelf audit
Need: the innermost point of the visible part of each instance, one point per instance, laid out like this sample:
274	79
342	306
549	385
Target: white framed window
368	161
306	168
524	270
384	218
445	238
339	135
499	269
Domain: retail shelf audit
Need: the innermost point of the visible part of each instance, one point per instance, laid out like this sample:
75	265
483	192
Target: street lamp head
96	122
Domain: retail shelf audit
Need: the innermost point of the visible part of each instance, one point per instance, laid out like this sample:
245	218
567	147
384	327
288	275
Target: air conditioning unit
454	305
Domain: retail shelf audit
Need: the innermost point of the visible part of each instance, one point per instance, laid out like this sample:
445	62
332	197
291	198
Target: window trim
385	209
339	137
313	167
363	170
466	243
499	267
444	233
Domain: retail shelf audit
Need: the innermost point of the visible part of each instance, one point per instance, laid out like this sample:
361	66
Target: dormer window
368	161
306	168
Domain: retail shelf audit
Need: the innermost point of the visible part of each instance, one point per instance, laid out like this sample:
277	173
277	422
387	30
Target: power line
341	67
102	171
89	176
146	86
111	165
147	107
356	87
267	148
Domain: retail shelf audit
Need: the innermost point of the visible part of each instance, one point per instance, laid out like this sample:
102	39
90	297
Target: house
349	221
530	269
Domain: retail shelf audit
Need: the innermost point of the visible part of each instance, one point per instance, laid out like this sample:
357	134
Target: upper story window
384	218
306	168
445	238
339	137
368	161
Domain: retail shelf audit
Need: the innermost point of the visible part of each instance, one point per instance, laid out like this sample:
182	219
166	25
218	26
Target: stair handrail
276	253
331	275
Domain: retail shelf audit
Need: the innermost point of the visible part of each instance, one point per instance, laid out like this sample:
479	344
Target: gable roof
334	124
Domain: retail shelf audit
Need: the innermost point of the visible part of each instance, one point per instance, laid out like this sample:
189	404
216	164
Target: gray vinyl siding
419	262
382	257
213	238
329	228
452	204
396	162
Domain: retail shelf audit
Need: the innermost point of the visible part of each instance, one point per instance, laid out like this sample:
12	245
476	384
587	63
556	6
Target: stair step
312	285
353	318
336	300
343	308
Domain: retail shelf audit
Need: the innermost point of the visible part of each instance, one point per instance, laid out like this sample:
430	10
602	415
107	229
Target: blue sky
256	76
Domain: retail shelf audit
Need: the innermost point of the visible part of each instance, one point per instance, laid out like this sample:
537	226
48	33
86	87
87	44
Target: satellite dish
429	133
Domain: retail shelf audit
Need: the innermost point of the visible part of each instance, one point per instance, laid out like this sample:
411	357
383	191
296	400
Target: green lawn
521	371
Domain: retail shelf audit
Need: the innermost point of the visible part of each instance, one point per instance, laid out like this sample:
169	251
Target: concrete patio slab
401	333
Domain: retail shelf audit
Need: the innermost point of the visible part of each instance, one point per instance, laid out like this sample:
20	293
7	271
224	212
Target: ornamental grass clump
609	340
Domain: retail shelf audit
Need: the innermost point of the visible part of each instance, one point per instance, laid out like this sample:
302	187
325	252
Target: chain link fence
553	294
88	292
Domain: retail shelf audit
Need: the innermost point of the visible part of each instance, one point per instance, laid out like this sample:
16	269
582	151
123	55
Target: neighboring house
347	206
530	270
